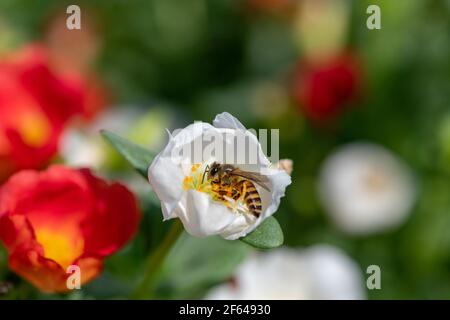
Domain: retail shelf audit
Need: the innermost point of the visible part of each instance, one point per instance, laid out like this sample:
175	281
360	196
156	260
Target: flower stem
155	260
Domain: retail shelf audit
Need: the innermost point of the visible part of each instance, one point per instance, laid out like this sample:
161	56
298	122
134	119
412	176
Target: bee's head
214	170
211	171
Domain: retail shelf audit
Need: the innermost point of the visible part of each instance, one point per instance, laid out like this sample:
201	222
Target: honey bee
232	182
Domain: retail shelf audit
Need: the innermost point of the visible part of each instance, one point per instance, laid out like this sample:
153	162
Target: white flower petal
251	159
240	227
279	180
226	120
204	217
165	174
166	180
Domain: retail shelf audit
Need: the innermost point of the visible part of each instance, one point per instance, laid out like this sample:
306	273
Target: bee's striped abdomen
238	189
251	197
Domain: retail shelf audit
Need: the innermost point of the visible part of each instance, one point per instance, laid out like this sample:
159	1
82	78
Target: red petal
55	197
17	233
46	274
116	219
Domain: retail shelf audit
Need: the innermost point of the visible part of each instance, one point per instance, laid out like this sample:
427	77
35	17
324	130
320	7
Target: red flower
324	89
35	104
60	217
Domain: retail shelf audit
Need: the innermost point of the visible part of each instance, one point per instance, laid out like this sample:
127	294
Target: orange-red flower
60	217
35	105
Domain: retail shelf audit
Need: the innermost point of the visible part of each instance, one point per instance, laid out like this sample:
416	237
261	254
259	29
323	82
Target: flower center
375	180
59	246
198	180
34	128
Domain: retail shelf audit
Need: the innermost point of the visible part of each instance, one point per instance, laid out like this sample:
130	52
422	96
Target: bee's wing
259	179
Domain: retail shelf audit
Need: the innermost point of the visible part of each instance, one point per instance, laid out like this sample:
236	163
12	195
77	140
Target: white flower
366	189
178	179
81	149
319	272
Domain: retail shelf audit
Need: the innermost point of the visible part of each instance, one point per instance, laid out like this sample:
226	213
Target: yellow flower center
195	180
60	246
34	128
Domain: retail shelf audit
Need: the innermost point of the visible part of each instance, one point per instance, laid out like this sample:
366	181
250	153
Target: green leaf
139	157
194	265
268	235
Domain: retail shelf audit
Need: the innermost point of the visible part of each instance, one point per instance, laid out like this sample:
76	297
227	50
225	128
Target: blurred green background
185	60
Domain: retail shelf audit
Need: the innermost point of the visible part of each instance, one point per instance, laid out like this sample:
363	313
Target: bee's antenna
206	170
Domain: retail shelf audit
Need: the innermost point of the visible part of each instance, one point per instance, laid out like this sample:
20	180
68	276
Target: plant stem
155	260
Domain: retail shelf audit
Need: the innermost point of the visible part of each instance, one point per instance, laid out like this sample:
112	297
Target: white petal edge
227	121
165	176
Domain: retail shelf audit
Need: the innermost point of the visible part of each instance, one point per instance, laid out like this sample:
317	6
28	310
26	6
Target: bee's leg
235	193
204	173
222	193
244	191
226	188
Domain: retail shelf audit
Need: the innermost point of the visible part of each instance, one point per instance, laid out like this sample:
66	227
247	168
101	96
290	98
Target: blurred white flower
179	180
366	189
82	148
319	272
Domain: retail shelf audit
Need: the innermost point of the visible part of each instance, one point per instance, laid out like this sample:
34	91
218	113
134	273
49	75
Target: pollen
197	180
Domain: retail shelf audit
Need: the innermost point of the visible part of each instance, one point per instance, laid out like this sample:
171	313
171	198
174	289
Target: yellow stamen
195	181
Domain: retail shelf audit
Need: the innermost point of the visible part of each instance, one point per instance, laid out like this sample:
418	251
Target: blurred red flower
35	105
60	217
323	89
